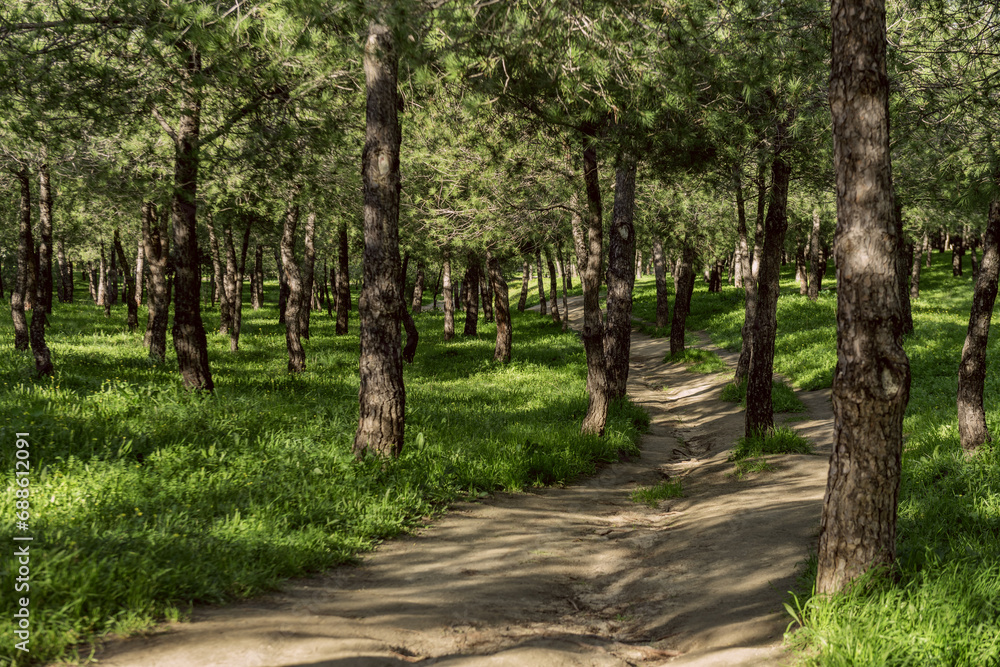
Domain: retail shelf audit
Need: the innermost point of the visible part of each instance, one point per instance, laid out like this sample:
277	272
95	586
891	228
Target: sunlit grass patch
652	495
781	440
783	398
702	361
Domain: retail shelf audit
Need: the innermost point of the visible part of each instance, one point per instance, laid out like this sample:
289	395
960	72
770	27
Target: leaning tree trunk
343	281
972	370
522	301
542	302
470	286
449	302
501	309
682	297
156	247
382	396
132	319
44	240
553	285
308	271
418	288
662	296
871	383
293	318
621	280
22	338
759	410
589	255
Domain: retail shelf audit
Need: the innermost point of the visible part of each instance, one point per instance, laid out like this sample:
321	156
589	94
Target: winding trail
562	577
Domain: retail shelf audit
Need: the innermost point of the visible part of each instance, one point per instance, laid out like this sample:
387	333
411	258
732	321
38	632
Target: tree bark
800	269
486	293
759	410
471	294
872	379
662	296
915	260
566	285
91	272
750	303
140	269
218	276
22	337
742	244
382	396
233	284
308	271
155	242
682	296
282	285
343	281
257	281
957	253
501	309
44	241
102	285
449	303
111	283
542	301
621	280
409	326
418	288
522	301
817	262
972	369
65	291
904	254
293	318
553	285
132	319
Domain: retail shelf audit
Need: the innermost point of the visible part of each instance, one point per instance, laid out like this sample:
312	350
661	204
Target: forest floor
559	577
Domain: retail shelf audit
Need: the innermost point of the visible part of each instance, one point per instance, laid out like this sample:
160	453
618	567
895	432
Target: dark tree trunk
589	255
973	261
155	241
927	249
486	293
449	303
682	297
218	291
662	296
553	285
437	289
542	302
233	284
904	257
282	285
343	281
957	253
872	380
102	285
972	370
915	259
140	269
22	338
522	301
111	292
43	358
800	269
564	267
293	318
257	281
412	334
471	293
44	242
418	288
308	271
502	351
750	303
382	396
621	280
759	410
64	293
817	260
132	319
190	342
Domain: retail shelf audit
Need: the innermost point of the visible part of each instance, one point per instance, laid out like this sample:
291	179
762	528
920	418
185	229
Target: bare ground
562	577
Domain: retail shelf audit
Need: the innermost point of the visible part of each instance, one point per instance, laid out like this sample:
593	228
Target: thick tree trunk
501	309
553	285
542	301
471	295
382	396
589	256
343	281
522	301
759	410
621	280
449	303
44	242
132	319
662	296
22	337
872	379
190	342
293	318
308	271
682	297
418	288
972	370
257	281
156	246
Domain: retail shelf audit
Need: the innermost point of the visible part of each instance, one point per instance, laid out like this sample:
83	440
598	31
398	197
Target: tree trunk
486	292
43	358
218	291
132	319
257	281
566	285
522	302
553	285
542	302
915	259
927	249
282	285
22	338
972	370
973	261
140	268
418	288
92	282
343	281
233	284
759	410
800	269
589	256
449	303
817	262
682	297
750	303
742	244
293	317
471	293
190	342
102	285
621	280
904	256
45	241
64	292
111	292
156	247
872	379
308	271
382	396
662	296
957	252
501	310
412	334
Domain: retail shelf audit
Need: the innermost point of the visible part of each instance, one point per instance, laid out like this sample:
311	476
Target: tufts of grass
652	495
783	398
702	361
746	467
781	440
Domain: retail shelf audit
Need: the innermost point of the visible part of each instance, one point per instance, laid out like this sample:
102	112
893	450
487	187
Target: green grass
746	467
939	606
146	499
652	495
783	398
702	361
781	440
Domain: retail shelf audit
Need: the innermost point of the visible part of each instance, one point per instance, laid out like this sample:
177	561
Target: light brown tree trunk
156	246
800	269
621	280
957	253
470	292
553	285
111	283
282	284
382	397
293	318
102	285
742	244
682	296
915	260
91	272
872	380
501	308
662	296
972	370
22	337
343	281
449	302
308	271
44	240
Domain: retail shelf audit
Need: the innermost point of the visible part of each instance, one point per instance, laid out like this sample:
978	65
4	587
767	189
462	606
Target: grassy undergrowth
783	398
146	499
652	495
939	606
702	361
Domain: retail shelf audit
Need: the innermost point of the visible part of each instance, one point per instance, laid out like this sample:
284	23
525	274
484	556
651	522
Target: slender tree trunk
92	282
501	309
343	281
257	282
43	358
382	396
817	262
927	249
522	302
542	301
45	240
750	303
132	319
759	410
233	284
471	293
972	370
915	260
111	293
102	285
742	244
22	337
621	280
412	334
800	269
63	292
589	255
957	253
566	285
449	303
293	318
662	296
308	271
218	291
282	285
973	261
553	285
682	297
140	268
155	241
437	289
904	256
872	380
418	288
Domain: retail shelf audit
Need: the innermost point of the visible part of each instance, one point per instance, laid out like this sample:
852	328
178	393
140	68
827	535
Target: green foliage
746	467
783	398
652	495
781	440
702	361
147	499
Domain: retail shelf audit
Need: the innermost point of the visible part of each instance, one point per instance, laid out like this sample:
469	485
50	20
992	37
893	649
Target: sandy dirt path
575	576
